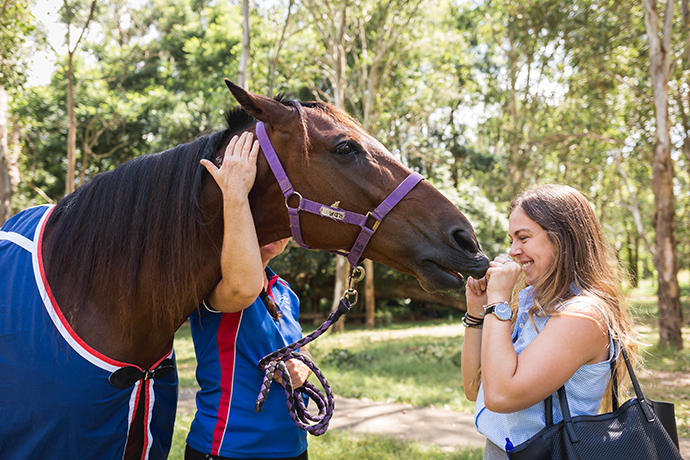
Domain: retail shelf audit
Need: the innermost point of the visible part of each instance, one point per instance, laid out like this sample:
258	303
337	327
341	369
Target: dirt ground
445	428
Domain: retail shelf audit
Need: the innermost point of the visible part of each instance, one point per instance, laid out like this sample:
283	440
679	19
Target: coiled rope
314	424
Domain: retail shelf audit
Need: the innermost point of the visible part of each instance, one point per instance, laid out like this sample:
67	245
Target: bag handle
649	414
614	376
548	410
563	399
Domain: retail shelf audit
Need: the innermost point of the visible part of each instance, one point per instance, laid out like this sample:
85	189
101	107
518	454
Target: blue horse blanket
55	398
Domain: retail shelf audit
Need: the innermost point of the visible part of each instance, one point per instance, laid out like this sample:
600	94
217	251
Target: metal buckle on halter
376	222
290	196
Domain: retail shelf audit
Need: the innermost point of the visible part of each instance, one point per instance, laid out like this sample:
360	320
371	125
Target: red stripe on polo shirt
227	338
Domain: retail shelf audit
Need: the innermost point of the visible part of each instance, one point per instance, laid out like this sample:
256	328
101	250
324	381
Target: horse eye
346	148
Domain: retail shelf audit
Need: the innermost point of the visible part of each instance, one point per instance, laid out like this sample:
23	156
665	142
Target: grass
343	445
419	364
667	371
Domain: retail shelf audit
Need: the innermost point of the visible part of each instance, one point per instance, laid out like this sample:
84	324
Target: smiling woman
558	331
531	246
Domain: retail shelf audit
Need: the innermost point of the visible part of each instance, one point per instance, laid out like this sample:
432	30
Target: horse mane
142	215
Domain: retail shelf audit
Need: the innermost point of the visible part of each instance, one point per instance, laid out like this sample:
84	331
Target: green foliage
342	357
16	25
179	441
310	274
185	357
489	221
444	351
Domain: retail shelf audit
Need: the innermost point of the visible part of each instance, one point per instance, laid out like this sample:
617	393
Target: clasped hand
497	285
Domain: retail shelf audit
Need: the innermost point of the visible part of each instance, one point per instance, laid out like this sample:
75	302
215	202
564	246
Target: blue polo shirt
228	347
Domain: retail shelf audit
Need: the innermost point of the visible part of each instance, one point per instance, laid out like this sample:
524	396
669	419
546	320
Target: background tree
5	182
379	30
72	16
331	21
244	57
665	257
15	26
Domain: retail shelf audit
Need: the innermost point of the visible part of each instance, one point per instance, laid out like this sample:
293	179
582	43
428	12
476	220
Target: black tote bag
638	430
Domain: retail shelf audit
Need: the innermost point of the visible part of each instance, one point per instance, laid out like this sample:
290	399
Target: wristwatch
500	309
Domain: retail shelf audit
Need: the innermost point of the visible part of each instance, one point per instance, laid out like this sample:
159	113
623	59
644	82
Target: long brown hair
584	260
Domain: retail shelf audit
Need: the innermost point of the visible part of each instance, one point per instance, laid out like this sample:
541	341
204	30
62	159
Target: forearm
471	362
499	363
242	272
241	265
472	344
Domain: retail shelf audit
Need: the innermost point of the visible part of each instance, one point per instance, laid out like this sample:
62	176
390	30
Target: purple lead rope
314	424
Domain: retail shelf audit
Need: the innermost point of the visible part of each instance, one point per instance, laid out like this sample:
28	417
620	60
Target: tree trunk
72	119
666	258
515	166
369	288
244	57
369	295
5	183
633	243
685	5
72	128
273	64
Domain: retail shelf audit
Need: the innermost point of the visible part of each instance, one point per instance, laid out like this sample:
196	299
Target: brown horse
128	257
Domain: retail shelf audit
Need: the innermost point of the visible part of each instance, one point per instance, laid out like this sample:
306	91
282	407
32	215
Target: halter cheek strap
337	214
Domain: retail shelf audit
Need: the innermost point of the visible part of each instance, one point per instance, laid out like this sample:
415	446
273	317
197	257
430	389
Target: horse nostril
466	240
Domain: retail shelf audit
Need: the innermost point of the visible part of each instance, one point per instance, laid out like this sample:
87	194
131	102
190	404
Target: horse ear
260	107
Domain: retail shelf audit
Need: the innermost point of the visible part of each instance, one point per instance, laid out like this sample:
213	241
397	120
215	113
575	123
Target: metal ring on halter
291	195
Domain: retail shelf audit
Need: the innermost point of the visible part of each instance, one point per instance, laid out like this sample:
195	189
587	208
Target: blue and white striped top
585	389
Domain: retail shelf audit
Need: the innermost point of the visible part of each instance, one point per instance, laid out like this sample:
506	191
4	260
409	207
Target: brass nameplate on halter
332	213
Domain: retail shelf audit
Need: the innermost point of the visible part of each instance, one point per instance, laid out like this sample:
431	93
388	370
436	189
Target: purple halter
337	214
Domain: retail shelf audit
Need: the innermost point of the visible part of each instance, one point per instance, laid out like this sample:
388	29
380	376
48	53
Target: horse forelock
238	119
299	108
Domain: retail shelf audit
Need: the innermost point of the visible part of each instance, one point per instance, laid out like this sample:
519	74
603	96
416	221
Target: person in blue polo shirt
260	315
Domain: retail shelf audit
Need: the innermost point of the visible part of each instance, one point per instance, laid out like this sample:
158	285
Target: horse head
330	159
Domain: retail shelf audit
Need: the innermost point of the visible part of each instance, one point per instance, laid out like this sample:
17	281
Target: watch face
503	311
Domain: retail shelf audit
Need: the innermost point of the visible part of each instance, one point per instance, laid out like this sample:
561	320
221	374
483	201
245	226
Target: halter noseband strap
337	214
